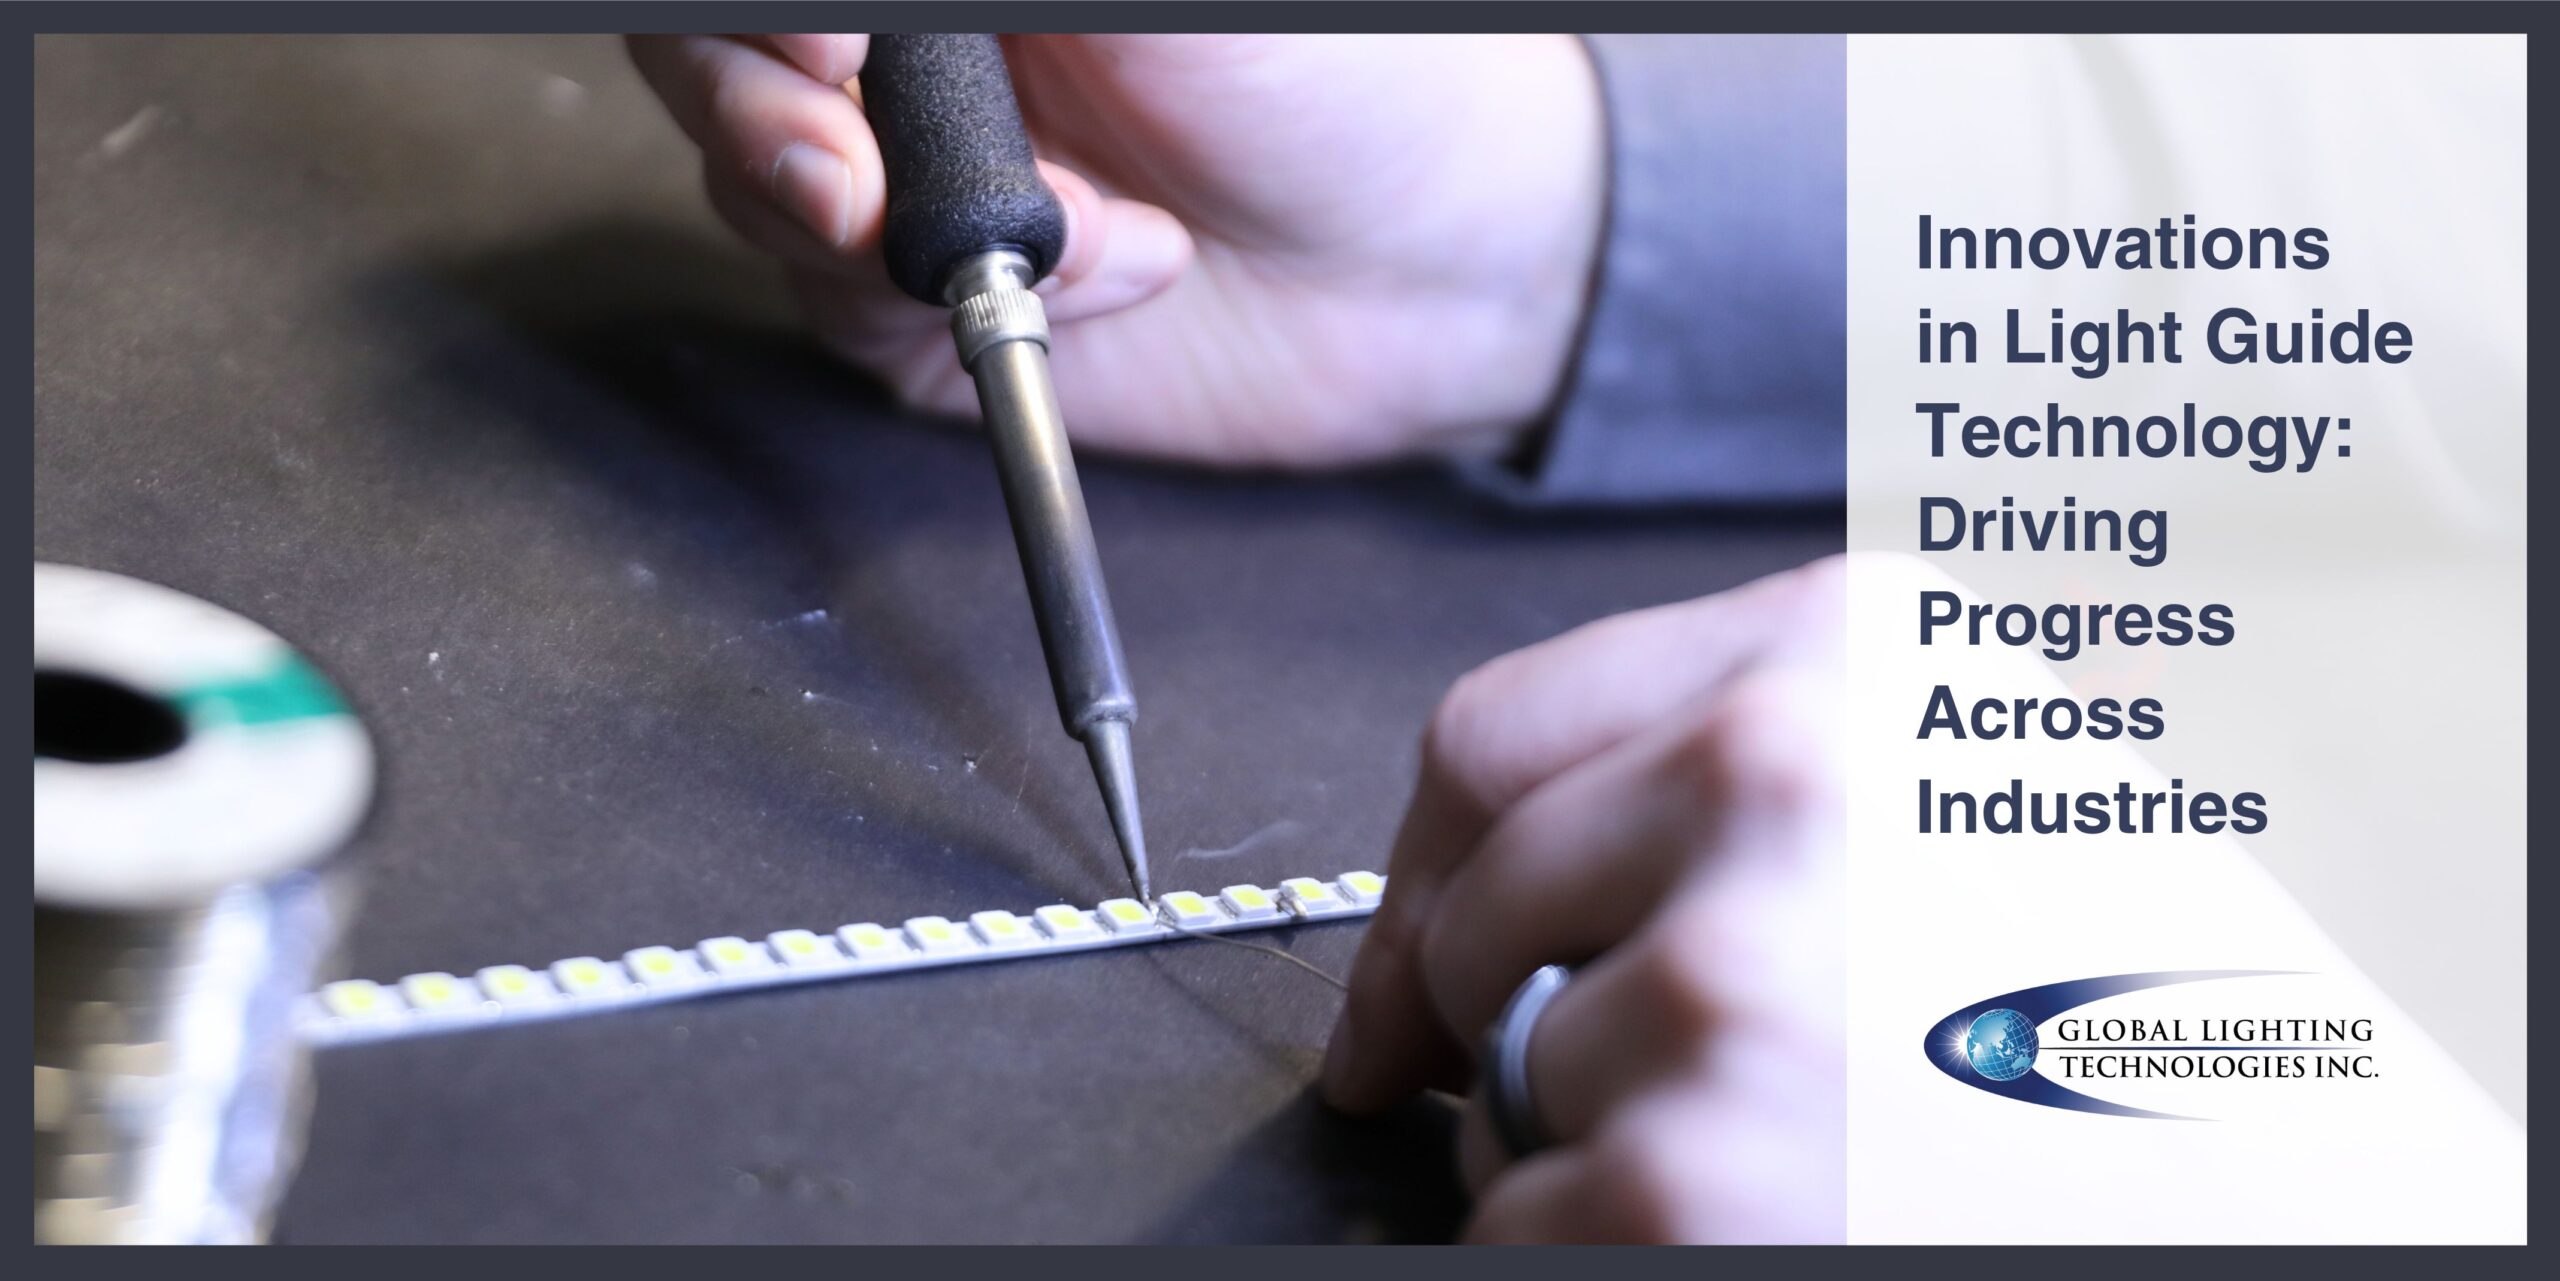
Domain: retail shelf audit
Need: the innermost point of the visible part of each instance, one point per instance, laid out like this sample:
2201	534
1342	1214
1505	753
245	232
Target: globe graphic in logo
2001	1045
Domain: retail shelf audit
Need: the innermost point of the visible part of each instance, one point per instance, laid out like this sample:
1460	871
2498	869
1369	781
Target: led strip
363	1010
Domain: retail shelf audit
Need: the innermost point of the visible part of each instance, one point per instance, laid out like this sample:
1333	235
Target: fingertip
1351	1080
817	187
1119	253
1088	228
831	59
1388	1044
1355	1093
1147	251
1334	1083
1481	1154
784	139
1162	246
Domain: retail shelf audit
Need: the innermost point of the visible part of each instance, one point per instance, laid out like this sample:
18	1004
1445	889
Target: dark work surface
425	353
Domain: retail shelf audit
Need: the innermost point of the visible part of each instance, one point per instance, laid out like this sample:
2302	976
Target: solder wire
193	775
1265	948
170	1092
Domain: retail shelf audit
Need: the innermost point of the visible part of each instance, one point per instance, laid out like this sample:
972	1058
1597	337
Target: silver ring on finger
1507	1087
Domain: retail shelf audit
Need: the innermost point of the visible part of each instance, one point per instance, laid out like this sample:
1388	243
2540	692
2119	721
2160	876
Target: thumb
1118	253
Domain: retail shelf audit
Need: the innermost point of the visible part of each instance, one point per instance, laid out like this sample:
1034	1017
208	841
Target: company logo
1995	1044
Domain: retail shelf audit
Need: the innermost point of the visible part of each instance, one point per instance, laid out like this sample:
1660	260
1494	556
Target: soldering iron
972	226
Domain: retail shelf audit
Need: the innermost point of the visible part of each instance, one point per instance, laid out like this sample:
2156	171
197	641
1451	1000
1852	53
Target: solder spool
193	775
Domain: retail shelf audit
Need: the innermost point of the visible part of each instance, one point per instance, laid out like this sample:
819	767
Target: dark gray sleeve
1712	367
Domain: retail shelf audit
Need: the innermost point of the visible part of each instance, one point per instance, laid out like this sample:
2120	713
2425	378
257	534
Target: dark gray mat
425	353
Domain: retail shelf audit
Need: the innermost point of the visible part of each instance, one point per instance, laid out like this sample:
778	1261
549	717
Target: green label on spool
291	690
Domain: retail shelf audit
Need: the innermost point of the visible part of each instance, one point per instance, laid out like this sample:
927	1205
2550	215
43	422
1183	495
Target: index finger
831	59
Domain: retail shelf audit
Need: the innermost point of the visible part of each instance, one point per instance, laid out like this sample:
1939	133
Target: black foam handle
961	178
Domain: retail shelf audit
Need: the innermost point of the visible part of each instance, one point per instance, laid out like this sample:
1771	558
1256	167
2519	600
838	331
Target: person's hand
1654	798
1346	248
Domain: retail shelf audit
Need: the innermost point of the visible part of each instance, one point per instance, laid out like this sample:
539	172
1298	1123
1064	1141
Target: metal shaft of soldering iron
1003	335
972	225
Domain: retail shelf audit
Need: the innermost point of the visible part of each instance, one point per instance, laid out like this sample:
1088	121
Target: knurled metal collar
997	316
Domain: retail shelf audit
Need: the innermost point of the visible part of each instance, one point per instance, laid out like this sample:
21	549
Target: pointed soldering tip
1107	742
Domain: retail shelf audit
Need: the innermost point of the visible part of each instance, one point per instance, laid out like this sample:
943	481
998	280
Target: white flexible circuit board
363	1010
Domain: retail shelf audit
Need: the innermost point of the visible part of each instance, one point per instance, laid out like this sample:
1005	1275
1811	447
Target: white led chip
1363	888
730	957
1249	902
802	950
662	966
587	976
1126	916
1310	897
359	999
439	993
1001	929
1069	924
870	943
934	936
1188	910
514	985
